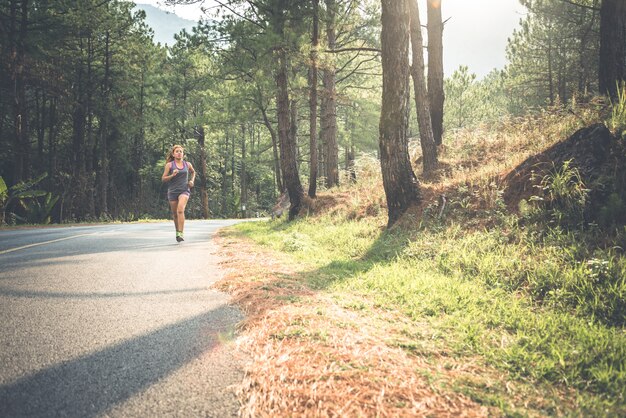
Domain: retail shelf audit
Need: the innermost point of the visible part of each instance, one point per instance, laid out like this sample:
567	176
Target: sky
475	33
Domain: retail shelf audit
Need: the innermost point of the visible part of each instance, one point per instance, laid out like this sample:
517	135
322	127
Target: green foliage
563	195
470	102
35	211
4	191
617	120
553	55
458	105
38	210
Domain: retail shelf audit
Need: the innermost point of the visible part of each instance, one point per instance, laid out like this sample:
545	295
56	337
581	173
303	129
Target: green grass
540	305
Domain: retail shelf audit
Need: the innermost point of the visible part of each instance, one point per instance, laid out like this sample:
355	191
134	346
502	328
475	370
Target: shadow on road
90	385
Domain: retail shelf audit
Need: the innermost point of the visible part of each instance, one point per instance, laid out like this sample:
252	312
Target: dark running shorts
174	196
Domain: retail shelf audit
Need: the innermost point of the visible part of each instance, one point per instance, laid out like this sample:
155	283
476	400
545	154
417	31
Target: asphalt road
115	321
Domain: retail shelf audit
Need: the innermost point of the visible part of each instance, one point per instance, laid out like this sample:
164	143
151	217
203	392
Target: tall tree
204	195
401	185
551	55
329	102
429	149
612	62
313	101
278	176
18	35
436	95
287	141
459	105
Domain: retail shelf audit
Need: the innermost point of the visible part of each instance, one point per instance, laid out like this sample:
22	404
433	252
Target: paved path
115	321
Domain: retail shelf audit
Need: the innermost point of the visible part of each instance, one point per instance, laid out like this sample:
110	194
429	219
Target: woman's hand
190	183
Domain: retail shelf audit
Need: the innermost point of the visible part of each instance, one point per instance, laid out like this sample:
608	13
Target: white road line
10	250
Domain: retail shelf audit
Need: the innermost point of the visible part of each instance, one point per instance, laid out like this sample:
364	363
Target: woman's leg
180	210
173	207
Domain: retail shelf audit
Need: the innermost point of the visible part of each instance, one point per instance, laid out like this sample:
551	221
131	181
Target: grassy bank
528	309
487	312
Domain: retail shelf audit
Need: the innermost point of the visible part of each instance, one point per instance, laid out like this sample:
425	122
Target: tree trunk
233	167
91	146
399	181
313	102
21	150
329	114
204	183
321	151
350	159
612	63
287	146
52	138
138	147
224	177
78	146
288	150
270	128
41	127
103	187
550	74
429	149
293	121
243	177
436	95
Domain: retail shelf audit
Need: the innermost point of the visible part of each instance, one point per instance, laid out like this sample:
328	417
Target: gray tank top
180	182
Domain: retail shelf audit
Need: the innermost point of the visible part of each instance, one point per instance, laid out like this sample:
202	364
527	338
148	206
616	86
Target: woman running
176	174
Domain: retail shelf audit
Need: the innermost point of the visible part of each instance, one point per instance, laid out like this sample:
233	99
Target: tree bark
243	176
138	147
78	167
20	117
204	183
313	102
52	138
329	113
551	94
277	170
429	149
612	62
41	126
224	174
103	208
287	145
436	96
399	181
286	140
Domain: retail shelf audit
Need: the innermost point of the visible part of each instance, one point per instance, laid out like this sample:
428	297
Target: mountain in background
470	38
165	24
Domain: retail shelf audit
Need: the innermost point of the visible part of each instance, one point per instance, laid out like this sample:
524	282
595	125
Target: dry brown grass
479	154
474	162
312	355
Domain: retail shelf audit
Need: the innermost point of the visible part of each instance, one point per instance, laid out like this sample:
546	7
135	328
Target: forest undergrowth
467	307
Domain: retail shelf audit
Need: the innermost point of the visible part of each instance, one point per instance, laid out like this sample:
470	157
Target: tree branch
336	51
584	6
233	11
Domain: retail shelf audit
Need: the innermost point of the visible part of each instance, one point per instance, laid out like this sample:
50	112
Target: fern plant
38	209
24	193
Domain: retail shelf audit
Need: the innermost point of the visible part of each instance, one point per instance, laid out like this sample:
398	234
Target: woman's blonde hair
170	155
